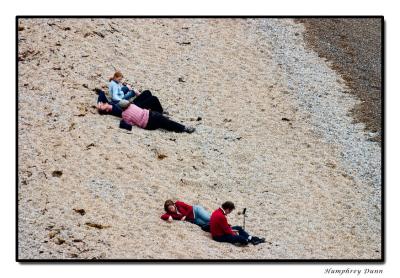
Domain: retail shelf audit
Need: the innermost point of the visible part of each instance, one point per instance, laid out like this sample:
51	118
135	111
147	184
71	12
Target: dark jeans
158	120
241	238
147	101
102	97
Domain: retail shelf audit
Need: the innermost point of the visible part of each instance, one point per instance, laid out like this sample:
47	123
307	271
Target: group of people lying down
145	111
215	223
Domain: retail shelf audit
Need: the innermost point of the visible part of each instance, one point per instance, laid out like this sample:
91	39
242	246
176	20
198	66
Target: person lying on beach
181	211
120	93
221	231
141	117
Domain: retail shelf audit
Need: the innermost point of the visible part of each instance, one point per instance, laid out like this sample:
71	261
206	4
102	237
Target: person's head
104	108
228	207
117	77
169	206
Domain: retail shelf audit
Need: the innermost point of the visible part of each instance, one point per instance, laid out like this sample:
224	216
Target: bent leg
241	231
157	120
147	101
102	97
141	99
231	239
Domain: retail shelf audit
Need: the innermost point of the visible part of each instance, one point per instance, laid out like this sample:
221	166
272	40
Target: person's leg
241	231
200	222
201	214
141	99
147	101
129	95
157	120
124	89
231	239
102	96
153	103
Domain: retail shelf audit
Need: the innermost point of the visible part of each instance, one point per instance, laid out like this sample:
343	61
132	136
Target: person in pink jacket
144	118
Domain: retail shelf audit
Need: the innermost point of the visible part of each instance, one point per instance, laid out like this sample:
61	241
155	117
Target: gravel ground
353	46
324	96
274	136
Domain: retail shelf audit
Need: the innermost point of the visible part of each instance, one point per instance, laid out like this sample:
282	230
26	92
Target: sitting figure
221	231
120	94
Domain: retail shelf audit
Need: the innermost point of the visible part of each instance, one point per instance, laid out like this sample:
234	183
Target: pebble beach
275	133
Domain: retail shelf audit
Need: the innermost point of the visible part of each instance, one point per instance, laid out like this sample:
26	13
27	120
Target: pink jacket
134	115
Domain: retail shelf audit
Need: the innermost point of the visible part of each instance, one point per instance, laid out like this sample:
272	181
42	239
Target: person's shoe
256	240
189	129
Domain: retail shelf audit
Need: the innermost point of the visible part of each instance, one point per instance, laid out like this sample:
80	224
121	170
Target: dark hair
228	205
102	112
167	204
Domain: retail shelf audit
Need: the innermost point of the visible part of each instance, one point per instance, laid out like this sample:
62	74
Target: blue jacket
115	90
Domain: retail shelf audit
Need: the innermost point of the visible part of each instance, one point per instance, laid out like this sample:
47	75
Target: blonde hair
117	74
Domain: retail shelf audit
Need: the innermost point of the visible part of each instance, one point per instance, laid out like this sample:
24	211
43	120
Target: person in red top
181	211
221	231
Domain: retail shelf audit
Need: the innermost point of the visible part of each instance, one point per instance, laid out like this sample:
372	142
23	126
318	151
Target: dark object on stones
99	34
180	79
52	234
85	86
21	28
124	125
56	68
199	118
59	241
80	211
66	28
97	226
285	119
184	43
88	147
161	156
57	173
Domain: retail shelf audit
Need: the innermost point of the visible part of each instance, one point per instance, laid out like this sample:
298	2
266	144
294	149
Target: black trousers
240	238
147	101
158	120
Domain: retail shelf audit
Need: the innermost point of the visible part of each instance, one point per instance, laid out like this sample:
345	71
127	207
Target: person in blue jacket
120	93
